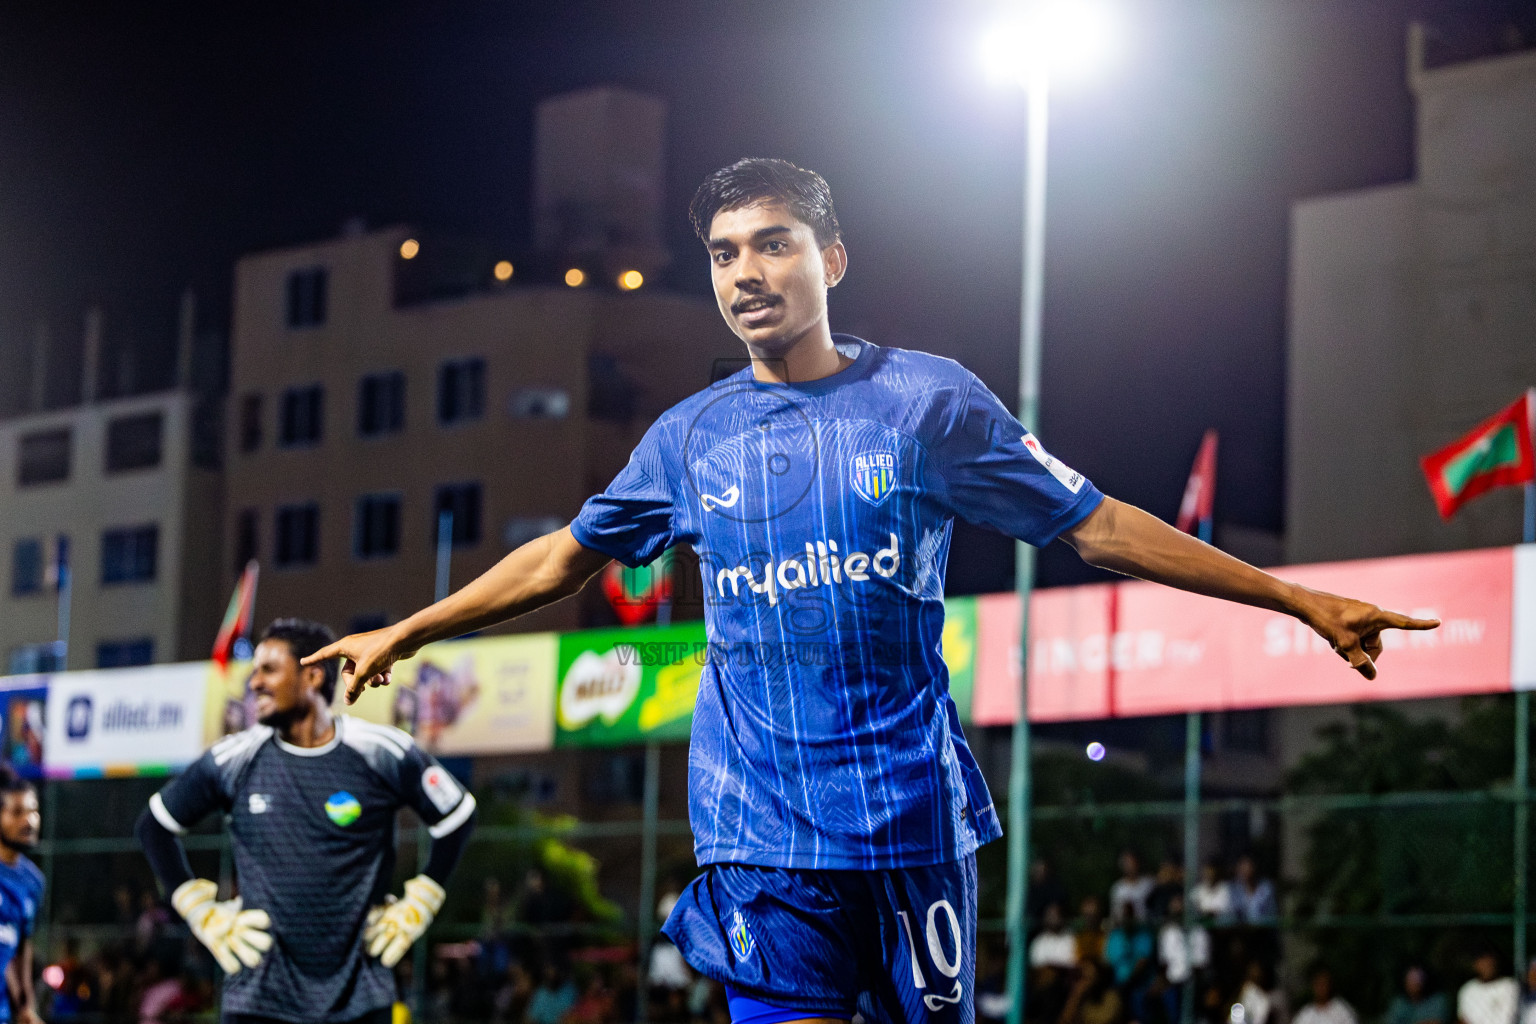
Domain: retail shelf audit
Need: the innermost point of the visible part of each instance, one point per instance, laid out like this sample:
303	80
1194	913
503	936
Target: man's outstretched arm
540	572
1124	539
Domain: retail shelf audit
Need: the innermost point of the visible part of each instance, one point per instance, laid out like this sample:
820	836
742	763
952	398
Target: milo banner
619	686
489	695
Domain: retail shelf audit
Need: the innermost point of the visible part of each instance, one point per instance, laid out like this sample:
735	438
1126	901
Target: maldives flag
1200	491
634	594
237	617
1496	454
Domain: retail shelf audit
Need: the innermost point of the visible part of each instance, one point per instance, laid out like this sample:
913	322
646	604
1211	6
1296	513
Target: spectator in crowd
1528	999
555	995
1168	883
1132	886
1213	894
511	998
1325	1007
1415	1004
1253	898
1045	888
992	1000
1487	998
1093	999
1090	930
596	1004
1258	1002
1128	950
1052	959
1181	952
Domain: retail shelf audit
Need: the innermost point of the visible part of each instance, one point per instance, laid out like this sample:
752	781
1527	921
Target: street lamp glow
630	280
575	277
1067	39
503	270
409	248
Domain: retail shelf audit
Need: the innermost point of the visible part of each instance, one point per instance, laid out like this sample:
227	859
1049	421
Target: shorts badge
742	942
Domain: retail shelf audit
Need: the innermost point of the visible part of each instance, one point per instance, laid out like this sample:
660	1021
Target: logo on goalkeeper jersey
343	808
742	942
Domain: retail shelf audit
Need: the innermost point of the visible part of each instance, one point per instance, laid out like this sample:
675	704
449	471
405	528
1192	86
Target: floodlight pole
1033	289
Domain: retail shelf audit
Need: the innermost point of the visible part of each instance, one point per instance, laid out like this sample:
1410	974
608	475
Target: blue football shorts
897	946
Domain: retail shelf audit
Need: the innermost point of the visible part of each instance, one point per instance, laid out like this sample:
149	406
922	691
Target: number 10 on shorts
949	968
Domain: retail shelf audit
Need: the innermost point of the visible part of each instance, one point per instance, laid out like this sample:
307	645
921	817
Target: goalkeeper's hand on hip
393	927
233	935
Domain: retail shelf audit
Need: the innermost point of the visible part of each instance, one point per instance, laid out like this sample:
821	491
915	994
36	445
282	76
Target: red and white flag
1200	491
238	616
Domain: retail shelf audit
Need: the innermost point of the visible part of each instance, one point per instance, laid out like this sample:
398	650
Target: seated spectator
1213	894
1168	883
1257	1002
1090	930
1054	946
1325	1007
1052	959
1487	998
595	1005
555	995
1415	1004
1132	886
1253	898
1128	949
1093	999
1181	952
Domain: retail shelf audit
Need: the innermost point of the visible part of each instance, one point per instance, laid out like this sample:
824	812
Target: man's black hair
762	180
304	638
12	781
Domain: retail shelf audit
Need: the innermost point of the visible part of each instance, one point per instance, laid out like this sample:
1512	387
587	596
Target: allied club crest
873	475
742	942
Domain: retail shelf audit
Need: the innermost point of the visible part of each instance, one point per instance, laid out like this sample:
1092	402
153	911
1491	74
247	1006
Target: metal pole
66	599
646	918
444	554
1522	821
1191	853
50	868
418	1000
1033	288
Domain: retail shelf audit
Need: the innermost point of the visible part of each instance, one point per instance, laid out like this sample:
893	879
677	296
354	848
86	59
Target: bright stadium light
1066	39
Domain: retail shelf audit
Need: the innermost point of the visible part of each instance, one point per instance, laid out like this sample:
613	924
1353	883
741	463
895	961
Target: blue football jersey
824	735
21	894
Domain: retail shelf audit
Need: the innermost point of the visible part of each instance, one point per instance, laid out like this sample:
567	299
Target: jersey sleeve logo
873	475
343	808
441	788
1069	478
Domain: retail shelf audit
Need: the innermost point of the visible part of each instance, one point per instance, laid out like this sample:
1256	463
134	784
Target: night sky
144	150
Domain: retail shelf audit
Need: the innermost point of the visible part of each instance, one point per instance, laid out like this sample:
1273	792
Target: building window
298	535
250	422
306	297
367	622
463	500
522	529
540	404
247	537
43	458
461	390
27	567
128	555
611	395
376	530
125	653
29	659
381	404
133	442
303	414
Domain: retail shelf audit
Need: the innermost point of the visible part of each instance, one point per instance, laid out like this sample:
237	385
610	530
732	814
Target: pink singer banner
1137	649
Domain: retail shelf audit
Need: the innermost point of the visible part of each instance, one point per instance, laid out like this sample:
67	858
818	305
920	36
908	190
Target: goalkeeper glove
234	936
392	928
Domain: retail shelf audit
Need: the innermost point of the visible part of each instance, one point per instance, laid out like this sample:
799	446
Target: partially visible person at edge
835	804
312	799
21	894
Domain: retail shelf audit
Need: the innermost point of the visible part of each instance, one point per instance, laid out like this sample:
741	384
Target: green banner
960	651
623	686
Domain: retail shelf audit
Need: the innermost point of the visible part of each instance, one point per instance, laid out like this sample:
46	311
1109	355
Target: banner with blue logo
126	721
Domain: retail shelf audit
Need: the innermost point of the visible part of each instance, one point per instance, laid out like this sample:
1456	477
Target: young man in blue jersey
21	894
835	805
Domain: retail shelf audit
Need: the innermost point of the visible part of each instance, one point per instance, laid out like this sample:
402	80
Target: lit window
540	404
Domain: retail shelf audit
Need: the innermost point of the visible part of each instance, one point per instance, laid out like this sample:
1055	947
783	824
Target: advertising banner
619	686
960	650
1140	649
126	721
489	695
